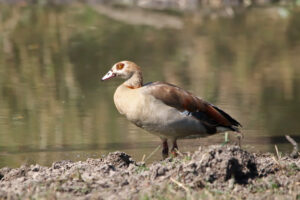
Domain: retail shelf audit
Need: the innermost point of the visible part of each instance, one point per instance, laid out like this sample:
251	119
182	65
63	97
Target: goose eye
120	66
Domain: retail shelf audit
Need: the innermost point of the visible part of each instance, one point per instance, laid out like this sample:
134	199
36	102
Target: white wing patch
185	113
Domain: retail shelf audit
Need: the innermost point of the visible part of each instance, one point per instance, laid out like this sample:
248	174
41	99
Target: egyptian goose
164	109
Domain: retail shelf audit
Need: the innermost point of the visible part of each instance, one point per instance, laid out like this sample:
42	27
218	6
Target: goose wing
184	101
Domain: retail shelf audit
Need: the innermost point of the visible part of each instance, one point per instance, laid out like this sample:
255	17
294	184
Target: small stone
160	171
36	168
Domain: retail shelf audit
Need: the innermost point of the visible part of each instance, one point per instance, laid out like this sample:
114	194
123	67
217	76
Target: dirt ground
213	172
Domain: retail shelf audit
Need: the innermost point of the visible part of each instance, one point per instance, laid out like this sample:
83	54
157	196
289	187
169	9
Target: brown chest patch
132	87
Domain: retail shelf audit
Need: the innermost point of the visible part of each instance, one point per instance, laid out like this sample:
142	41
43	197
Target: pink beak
109	75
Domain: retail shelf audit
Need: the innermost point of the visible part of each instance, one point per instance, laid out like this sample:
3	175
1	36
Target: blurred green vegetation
52	59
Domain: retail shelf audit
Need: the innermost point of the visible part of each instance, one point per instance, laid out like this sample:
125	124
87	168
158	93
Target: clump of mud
211	172
222	164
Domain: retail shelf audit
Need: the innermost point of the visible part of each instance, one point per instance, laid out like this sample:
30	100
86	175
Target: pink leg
174	148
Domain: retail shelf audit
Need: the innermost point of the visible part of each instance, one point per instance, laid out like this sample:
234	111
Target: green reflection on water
53	105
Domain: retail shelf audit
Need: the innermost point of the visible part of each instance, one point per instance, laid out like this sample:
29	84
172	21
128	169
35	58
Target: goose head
123	69
127	70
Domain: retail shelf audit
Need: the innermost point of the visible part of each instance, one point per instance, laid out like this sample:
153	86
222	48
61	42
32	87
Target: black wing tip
233	122
237	124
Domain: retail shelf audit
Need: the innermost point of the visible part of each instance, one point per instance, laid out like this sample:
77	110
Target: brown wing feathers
182	100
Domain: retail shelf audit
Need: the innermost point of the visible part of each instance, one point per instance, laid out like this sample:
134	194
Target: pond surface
53	105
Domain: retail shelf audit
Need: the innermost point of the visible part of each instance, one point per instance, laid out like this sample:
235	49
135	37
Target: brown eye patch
120	66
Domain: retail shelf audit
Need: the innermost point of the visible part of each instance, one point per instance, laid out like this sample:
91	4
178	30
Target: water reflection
53	105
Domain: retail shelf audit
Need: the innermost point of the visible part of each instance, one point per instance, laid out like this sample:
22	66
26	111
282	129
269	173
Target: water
53	105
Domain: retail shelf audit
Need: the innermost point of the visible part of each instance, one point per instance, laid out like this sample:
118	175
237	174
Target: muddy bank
220	172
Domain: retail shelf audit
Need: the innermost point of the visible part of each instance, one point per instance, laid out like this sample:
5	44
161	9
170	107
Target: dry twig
152	153
187	190
295	152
